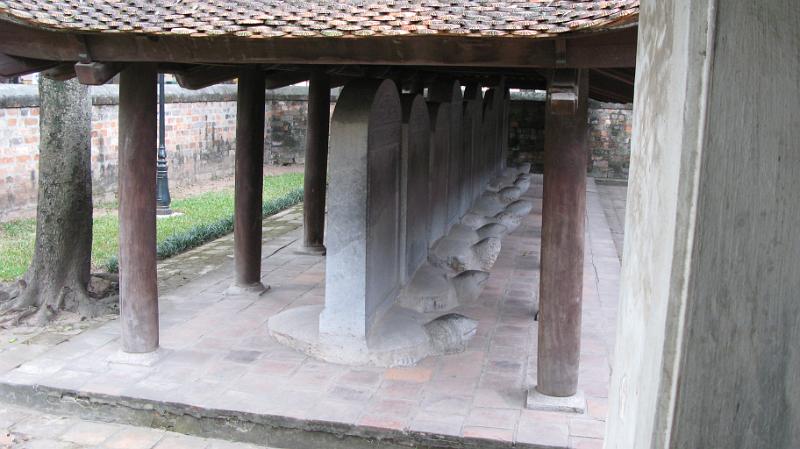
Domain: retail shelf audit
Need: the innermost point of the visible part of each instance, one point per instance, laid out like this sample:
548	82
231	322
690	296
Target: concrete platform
219	373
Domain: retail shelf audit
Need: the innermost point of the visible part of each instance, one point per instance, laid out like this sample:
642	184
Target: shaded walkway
220	373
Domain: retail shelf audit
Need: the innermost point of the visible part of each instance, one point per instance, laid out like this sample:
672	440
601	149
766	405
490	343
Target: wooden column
316	164
563	222
249	182
138	289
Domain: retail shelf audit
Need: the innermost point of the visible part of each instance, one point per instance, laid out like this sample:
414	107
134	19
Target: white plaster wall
708	328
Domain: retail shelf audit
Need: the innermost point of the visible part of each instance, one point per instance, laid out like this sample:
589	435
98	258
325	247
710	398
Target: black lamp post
162	182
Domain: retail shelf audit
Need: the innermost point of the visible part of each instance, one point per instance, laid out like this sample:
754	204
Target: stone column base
543	402
316	250
256	288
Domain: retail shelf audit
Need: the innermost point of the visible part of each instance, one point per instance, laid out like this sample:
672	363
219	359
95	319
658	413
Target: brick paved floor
613	197
217	353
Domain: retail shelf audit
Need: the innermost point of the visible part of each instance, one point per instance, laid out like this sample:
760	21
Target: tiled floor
217	353
613	197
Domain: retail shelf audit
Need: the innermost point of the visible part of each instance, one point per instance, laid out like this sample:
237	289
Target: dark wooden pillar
563	222
138	289
249	182
316	165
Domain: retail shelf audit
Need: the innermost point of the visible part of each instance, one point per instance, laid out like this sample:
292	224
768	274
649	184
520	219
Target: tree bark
59	273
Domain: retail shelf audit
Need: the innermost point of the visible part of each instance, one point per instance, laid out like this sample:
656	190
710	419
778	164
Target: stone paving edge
237	426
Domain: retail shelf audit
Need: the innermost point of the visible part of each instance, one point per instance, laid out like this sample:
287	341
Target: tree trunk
59	273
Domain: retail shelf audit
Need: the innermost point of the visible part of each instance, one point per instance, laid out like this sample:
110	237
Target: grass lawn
205	216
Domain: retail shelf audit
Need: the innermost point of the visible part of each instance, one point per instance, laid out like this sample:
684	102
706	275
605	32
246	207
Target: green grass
205	217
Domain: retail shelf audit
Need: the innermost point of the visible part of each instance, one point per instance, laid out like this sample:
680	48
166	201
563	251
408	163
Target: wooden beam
278	79
17	66
599	82
97	73
199	77
618	74
583	50
61	72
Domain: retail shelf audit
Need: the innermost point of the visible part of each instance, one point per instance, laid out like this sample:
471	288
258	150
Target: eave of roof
273	19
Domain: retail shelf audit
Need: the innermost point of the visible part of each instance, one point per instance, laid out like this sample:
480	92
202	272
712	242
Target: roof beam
610	87
61	72
199	77
15	66
97	73
583	50
278	79
618	75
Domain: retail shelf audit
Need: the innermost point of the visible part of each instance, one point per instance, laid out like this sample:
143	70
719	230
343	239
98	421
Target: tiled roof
323	18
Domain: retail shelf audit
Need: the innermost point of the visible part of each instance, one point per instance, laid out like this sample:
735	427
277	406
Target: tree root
34	307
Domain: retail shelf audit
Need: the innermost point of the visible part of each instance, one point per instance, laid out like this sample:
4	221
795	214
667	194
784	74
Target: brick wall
609	134
201	127
200	138
610	139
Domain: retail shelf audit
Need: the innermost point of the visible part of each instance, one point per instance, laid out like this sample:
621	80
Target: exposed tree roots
28	305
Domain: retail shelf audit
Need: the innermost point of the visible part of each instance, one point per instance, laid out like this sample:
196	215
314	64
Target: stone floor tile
134	438
219	444
437	423
545	434
43	426
182	442
349	394
409	374
493	417
538	416
241	356
89	433
488	433
444	403
597	408
47	444
361	378
393	389
336	411
383	422
508	398
585	443
587	428
11	415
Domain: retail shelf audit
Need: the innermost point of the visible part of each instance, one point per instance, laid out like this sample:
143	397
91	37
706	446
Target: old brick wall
610	139
200	138
201	127
609	134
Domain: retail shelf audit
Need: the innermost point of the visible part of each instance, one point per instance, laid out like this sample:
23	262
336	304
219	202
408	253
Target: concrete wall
707	352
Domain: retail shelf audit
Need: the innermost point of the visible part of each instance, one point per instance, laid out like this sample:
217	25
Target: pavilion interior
377	352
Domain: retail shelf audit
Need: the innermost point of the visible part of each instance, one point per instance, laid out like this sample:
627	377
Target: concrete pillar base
311	250
542	402
256	288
